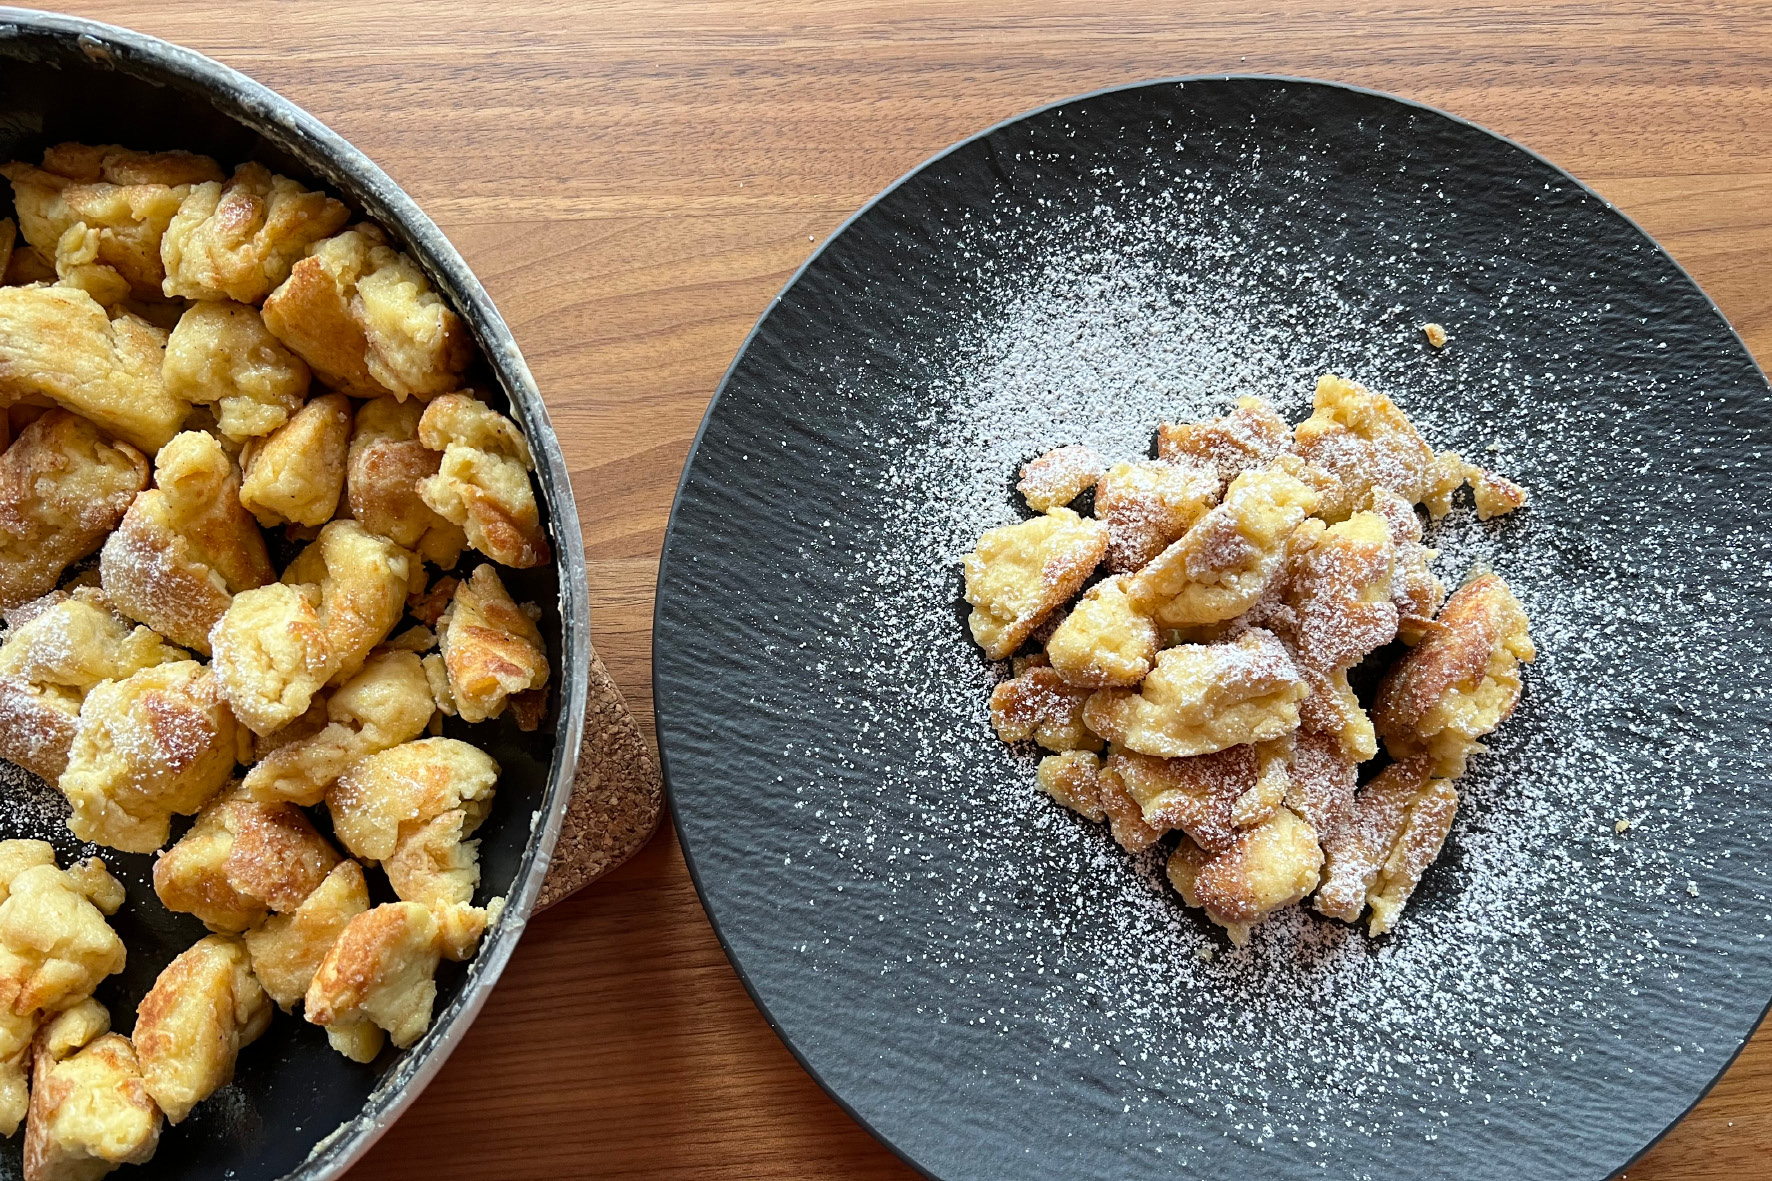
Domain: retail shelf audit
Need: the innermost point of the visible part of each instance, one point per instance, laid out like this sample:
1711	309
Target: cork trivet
616	796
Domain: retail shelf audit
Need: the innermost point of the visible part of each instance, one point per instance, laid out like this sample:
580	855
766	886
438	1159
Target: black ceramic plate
983	979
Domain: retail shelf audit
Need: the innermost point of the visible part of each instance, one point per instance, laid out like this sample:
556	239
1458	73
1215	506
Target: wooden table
634	179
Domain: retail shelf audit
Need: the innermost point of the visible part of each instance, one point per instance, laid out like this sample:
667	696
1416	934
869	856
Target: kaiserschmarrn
245	445
1187	651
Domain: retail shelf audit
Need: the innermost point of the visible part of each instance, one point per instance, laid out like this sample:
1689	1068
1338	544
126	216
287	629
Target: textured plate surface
985	980
295	1107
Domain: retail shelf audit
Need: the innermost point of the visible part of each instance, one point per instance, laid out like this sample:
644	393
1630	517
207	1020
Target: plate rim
671	537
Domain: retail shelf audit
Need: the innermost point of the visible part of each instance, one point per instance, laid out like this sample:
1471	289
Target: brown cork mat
617	795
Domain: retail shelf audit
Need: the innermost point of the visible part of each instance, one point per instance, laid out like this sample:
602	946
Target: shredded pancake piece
185	546
1267	868
50	662
1460	682
482	482
1059	477
63	488
1147	506
190	1027
1041	705
364	317
239	239
1202	698
1247	439
221	355
1020	574
1223	564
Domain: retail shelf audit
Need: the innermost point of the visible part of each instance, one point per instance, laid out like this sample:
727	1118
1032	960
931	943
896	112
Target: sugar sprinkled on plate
1314	1033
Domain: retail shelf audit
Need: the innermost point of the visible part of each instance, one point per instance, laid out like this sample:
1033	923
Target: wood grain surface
634	180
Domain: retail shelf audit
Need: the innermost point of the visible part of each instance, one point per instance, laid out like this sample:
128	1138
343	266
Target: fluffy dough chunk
48	665
1041	705
1336	596
159	742
388	796
190	1027
1247	439
1266	869
271	655
1059	477
186	546
122	200
1460	682
1104	642
238	240
433	864
387	703
59	343
62	490
1072	778
240	860
1222	565
287	948
295	474
384	467
1019	574
55	945
90	1108
55	948
221	355
1365	442
363	315
378	975
1202	698
363	581
482	483
1209	797
491	647
1146	506
1394	830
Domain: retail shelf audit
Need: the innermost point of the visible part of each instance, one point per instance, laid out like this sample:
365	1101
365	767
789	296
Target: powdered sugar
1314	1034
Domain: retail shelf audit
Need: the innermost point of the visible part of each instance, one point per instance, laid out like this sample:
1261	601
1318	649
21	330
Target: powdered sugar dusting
1313	1035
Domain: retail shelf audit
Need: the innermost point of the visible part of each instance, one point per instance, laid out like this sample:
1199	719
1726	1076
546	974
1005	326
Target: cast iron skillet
982	978
296	1108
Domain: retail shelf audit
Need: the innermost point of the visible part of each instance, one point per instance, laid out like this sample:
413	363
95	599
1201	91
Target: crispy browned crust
491	647
1249	437
1321	784
1039	704
1125	817
1354	851
33	732
109	1061
310	315
62	489
278	854
1470	627
1239	884
204	1006
125	166
1195	794
152	574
